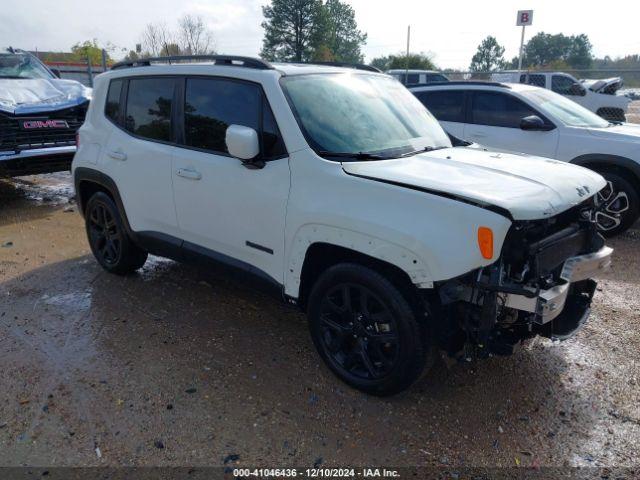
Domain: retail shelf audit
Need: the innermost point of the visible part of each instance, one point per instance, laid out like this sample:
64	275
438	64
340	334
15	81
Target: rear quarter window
112	108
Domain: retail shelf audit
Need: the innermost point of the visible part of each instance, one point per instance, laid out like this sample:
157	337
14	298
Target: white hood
626	132
528	187
33	95
605	85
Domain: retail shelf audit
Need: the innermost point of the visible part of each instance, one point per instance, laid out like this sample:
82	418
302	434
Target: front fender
307	235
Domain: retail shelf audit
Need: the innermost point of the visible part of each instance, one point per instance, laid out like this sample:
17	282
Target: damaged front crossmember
540	285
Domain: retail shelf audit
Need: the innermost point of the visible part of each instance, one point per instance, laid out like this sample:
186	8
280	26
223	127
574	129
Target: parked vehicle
39	115
599	96
339	192
414	77
535	121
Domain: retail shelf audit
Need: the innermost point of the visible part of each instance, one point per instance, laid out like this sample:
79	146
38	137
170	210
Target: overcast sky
449	29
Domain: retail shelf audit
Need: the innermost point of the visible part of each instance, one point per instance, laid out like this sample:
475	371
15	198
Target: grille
12	137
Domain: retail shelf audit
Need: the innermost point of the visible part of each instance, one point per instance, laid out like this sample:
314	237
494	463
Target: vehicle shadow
210	368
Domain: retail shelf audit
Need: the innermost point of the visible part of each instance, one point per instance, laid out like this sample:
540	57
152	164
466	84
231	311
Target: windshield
360	114
565	110
21	65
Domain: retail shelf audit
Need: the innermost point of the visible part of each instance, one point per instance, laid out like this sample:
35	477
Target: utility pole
406	71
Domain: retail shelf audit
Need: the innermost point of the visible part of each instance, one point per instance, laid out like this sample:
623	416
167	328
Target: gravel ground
177	366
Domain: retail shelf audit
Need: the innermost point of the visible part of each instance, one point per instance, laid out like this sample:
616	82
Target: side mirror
577	90
534	122
242	142
56	72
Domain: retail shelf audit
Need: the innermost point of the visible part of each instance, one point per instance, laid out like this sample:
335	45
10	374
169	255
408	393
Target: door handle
478	135
117	155
189	173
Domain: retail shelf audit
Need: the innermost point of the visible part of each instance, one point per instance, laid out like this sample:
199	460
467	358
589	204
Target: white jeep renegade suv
337	190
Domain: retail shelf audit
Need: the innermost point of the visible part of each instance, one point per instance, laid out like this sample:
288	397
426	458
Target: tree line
327	30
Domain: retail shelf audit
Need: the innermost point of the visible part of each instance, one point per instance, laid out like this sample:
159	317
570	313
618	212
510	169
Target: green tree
544	48
88	49
420	61
291	29
338	31
381	63
488	57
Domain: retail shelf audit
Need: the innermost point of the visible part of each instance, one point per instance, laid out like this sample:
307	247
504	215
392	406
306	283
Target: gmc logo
33	124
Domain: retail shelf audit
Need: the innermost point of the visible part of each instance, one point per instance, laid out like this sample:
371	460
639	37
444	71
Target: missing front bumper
549	304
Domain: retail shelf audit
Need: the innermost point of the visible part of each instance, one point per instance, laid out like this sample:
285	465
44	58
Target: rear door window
445	105
149	104
496	109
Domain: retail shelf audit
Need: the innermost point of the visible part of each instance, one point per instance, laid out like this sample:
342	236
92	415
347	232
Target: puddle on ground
53	188
76	301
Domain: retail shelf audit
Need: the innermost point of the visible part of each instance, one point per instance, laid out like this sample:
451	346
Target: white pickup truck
599	96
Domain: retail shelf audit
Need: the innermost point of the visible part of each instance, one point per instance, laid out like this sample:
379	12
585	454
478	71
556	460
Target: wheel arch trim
609	160
308	235
90	175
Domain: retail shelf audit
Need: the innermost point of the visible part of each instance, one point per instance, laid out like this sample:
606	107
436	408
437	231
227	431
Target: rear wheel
365	331
618	205
108	239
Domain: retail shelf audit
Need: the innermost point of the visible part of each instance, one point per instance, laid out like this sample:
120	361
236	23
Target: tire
115	251
618	205
365	330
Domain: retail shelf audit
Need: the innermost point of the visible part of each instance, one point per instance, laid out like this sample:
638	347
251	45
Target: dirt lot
176	366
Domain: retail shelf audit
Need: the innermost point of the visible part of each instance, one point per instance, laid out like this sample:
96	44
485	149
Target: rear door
225	208
139	151
494	120
448	106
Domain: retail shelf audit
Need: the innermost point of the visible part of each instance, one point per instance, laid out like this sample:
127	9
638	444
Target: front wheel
365	331
618	205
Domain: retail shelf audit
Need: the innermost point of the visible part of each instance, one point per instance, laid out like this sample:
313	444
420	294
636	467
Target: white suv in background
523	118
336	190
599	96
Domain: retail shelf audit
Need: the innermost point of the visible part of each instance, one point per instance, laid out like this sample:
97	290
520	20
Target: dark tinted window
436	77
413	78
446	105
211	105
561	84
498	110
272	144
532	79
112	105
149	107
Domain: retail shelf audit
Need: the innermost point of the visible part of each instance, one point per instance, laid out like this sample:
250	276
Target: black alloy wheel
365	330
617	205
111	245
104	234
359	333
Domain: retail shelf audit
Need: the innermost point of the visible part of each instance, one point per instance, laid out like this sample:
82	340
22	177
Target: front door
494	121
225	208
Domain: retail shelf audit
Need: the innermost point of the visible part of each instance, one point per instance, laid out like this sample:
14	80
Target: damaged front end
540	285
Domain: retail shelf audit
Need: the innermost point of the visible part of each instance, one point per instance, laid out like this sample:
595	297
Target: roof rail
233	60
459	82
357	66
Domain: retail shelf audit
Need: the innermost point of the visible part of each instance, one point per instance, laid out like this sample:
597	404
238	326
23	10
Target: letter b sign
525	17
